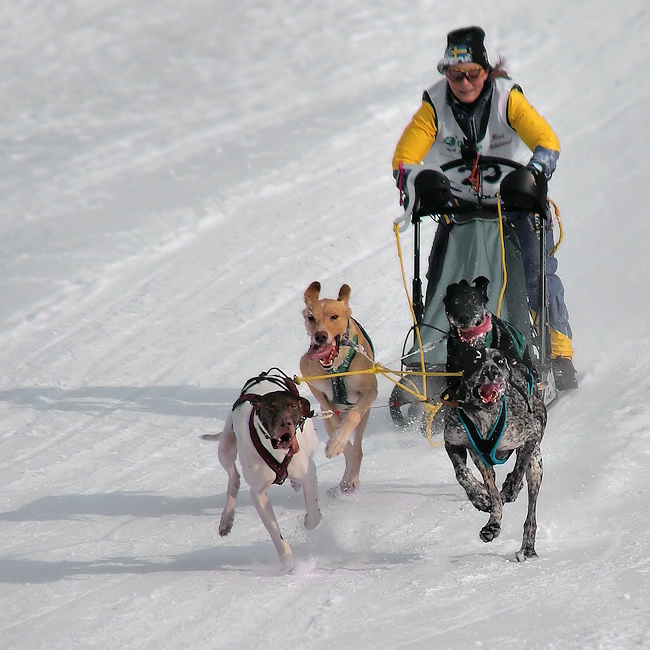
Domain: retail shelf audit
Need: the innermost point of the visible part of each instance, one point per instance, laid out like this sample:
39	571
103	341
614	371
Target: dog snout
320	337
491	372
285	426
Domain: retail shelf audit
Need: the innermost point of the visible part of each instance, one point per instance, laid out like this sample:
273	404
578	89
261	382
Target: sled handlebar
489	164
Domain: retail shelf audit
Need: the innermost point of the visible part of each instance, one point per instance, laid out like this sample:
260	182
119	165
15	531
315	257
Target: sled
479	242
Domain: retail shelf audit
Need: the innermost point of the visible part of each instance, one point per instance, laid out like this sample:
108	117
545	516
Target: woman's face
468	86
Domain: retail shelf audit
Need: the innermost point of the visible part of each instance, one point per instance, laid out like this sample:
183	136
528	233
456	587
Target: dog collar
470	333
339	392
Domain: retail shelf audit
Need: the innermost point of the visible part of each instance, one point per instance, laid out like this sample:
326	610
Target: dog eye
311	318
334	316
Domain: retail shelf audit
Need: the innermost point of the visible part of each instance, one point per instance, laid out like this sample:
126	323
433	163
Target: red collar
470	333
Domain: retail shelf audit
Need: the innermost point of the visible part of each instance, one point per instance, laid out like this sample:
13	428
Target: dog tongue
318	352
483	327
489	392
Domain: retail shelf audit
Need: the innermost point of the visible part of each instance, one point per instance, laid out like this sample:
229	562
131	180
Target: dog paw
524	554
490	531
287	563
348	487
336	444
225	525
311	523
510	490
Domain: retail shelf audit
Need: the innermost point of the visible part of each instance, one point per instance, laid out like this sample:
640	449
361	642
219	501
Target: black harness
281	380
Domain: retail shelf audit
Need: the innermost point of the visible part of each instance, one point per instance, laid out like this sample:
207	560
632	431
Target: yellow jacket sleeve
529	125
418	137
420	134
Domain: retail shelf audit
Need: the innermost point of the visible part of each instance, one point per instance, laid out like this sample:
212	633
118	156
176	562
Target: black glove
540	178
433	192
524	190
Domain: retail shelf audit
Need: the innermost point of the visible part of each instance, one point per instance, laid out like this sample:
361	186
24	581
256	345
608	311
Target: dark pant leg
558	315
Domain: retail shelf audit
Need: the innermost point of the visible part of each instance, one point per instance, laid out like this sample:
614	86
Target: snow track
172	181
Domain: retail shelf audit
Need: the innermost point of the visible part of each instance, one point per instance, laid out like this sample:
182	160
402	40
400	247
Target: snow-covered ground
173	176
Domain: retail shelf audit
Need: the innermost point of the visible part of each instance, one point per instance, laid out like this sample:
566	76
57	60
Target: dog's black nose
321	337
491	371
286	424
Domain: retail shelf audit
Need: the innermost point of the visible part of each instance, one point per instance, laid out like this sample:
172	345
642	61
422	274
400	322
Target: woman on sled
477	110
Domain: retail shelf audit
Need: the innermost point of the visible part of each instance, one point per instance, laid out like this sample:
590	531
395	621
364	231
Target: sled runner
473	239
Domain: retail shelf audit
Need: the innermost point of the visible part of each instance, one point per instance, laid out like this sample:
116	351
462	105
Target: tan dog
334	337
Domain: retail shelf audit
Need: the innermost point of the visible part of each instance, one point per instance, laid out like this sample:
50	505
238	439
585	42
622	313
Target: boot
565	373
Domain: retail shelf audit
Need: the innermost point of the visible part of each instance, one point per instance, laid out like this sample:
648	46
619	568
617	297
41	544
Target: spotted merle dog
498	412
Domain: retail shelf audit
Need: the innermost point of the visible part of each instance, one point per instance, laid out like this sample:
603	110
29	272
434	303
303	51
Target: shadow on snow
184	401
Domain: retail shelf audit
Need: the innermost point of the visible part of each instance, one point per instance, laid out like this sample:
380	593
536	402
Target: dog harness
486	447
279	467
339	392
281	380
288	385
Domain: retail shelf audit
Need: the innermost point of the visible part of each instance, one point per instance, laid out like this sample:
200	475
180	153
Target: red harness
280	468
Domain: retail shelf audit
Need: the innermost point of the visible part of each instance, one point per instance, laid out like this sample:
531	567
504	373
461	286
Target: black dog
498	412
472	328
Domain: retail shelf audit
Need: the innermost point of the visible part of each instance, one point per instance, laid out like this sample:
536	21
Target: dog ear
257	401
481	283
305	408
312	293
344	294
452	290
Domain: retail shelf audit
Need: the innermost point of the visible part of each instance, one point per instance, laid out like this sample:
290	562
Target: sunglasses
454	74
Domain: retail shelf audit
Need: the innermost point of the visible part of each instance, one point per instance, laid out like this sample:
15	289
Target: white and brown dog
338	345
269	427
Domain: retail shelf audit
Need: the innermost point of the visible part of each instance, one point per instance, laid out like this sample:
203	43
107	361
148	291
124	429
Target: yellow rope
430	409
503	256
376	369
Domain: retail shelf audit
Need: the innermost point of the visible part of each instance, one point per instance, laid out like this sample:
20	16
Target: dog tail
211	436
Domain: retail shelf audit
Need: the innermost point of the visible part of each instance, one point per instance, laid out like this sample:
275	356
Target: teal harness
340	393
486	447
